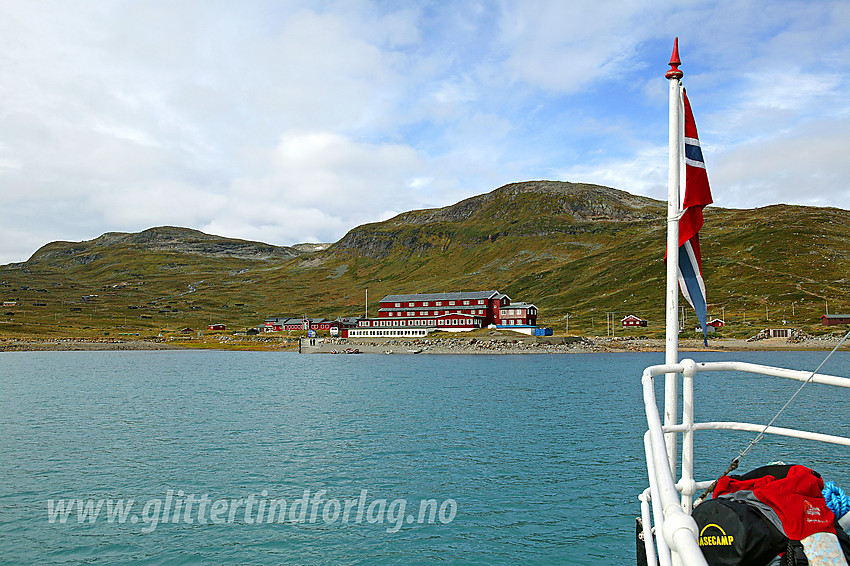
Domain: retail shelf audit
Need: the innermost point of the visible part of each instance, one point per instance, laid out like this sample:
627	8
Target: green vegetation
569	248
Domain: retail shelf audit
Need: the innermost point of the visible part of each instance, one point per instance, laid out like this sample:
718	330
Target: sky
293	121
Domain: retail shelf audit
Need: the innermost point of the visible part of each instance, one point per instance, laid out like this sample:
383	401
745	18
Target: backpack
737	528
735	533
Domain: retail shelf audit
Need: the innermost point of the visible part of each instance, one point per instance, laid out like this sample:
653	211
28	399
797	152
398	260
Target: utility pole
567	329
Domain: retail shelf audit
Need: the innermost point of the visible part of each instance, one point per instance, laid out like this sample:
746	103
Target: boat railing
667	503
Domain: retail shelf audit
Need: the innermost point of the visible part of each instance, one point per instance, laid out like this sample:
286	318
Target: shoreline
441	345
556	345
81	345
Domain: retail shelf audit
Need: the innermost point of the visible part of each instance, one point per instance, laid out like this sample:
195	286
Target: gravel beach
552	345
432	345
80	344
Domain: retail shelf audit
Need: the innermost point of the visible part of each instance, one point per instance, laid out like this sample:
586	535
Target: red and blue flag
697	194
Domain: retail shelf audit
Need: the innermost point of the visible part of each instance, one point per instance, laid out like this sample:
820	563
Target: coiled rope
837	501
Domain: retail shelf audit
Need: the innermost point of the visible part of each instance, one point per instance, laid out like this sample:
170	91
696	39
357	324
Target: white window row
396	332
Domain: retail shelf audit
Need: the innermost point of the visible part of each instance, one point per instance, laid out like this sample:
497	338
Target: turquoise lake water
528	459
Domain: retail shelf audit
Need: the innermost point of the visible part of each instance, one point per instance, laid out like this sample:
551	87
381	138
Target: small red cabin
835	319
633	320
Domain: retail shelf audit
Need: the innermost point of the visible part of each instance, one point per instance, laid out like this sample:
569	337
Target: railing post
687	481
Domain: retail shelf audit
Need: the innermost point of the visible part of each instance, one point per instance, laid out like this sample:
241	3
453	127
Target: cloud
807	166
772	101
328	171
645	173
316	185
566	46
295	120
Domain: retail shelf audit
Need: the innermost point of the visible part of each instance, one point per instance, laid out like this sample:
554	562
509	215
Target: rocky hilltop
161	239
534	208
576	202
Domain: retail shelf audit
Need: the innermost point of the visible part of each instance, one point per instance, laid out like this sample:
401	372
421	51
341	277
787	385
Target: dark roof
518	306
454	296
285	320
835	316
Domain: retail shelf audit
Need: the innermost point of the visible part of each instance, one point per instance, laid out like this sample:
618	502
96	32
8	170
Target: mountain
163	239
581	249
536	209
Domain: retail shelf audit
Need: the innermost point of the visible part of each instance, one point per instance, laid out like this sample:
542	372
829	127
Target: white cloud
791	90
321	183
320	168
156	203
296	120
808	166
567	46
645	173
773	101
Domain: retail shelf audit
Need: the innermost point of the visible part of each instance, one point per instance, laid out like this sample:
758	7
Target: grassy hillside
569	248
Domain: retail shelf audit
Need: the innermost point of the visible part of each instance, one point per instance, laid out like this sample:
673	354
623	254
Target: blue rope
837	501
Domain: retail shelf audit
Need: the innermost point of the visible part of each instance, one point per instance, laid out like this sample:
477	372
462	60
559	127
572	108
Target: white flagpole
671	395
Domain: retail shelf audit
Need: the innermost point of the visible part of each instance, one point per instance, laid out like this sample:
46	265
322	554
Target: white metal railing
671	502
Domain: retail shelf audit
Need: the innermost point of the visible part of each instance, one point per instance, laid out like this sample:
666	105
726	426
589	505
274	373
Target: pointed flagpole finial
674	72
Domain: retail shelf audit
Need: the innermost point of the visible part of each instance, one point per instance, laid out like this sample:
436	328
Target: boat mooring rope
737	460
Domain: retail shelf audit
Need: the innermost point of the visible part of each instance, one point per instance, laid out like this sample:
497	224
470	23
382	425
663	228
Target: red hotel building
419	314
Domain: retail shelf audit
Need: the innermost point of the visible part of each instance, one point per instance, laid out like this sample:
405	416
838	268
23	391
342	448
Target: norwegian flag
697	194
